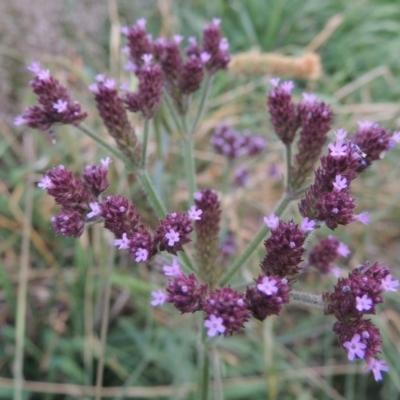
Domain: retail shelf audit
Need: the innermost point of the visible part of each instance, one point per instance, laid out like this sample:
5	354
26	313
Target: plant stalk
189	160
309	299
218	387
269	346
145	141
104	321
204	377
204	96
23	274
83	128
186	261
288	157
172	110
148	187
151	193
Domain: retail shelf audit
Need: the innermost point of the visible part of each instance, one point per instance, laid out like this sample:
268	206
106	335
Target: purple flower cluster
233	144
162	64
112	111
353	297
227	310
76	196
186	293
328	199
207	228
216	46
285	246
373	140
325	253
312	117
283	112
279	266
81	202
139	42
181	77
173	232
148	97
315	121
227	306
268	296
55	103
121	218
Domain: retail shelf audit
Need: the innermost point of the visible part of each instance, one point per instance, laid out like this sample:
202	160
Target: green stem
200	111
171	109
106	146
204	380
253	244
104	321
186	261
288	148
189	160
23	275
205	377
148	187
309	299
88	318
145	141
269	346
187	101
299	193
152	195
218	387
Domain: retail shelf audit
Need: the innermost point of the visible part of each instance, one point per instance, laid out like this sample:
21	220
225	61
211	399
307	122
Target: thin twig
309	299
83	128
104	321
190	166
200	111
269	346
172	111
88	313
218	387
288	149
146	129
361	81
326	33
180	391
24	272
204	367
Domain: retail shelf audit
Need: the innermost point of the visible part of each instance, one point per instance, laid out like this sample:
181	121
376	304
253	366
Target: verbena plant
200	280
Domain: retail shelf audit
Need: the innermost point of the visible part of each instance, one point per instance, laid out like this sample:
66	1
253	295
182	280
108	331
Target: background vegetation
152	352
